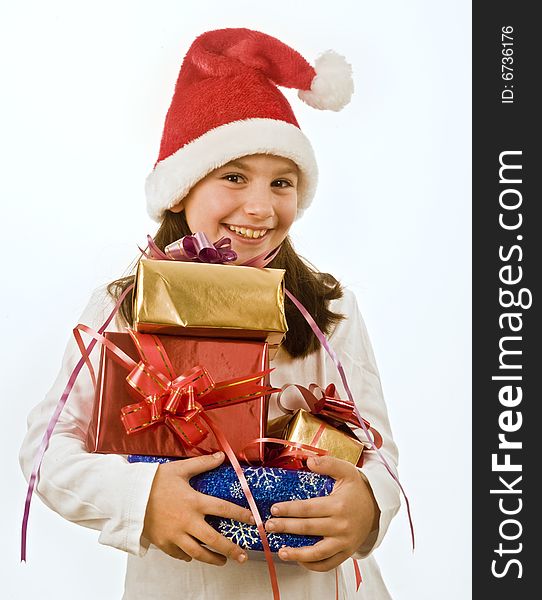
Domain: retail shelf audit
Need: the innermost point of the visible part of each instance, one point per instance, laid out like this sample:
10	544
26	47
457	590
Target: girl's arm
131	504
355	517
99	491
351	342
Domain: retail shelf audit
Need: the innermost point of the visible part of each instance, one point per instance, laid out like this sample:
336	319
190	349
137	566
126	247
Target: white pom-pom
333	85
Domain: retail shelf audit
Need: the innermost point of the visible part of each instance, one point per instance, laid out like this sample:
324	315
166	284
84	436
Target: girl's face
252	200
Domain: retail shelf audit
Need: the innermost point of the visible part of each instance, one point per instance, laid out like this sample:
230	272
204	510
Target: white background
85	90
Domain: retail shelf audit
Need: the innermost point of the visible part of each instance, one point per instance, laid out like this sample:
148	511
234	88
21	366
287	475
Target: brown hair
313	289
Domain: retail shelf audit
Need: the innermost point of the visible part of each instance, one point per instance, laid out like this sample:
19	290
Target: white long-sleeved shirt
107	493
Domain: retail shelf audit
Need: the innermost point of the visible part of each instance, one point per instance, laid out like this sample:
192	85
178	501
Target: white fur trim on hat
333	86
173	177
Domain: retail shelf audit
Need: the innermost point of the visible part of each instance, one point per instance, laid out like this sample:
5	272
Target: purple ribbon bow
194	248
198	248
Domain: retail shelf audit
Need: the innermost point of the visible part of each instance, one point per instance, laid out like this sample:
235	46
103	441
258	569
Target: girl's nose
259	204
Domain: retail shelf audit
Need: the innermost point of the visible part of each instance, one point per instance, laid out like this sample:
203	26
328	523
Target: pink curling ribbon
261	260
53	421
323	340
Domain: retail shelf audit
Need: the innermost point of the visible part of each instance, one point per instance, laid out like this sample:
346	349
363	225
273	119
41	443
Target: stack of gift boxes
203	336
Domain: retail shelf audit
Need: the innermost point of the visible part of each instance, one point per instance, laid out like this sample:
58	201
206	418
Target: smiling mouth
247	232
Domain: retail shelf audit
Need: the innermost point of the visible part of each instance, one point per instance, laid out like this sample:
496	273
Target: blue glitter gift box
268	486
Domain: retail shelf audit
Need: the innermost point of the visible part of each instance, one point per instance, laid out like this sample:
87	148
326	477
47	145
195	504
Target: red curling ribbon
330	407
299	451
198	382
251	502
357	573
147	344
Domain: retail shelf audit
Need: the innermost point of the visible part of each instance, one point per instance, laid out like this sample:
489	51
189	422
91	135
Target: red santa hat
227	104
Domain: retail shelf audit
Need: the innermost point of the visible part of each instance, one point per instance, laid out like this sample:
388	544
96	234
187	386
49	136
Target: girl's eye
282	183
233	178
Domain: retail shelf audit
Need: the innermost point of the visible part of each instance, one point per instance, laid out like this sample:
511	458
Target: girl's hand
344	518
175	515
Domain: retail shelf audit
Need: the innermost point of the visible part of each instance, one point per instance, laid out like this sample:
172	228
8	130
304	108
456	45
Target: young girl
233	162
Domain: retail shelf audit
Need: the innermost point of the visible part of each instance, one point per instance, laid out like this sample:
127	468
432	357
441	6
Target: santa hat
227	104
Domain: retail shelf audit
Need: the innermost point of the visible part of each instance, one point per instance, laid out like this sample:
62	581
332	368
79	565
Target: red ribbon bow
326	403
172	402
179	402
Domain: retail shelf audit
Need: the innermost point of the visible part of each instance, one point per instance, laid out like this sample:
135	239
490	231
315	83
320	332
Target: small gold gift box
305	428
210	300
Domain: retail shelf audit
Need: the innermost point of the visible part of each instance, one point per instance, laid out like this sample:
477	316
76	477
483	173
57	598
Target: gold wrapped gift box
305	428
208	300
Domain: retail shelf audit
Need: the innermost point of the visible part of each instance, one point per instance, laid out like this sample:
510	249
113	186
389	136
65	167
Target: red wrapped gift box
223	359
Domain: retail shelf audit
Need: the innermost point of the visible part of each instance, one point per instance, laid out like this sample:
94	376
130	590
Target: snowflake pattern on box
268	485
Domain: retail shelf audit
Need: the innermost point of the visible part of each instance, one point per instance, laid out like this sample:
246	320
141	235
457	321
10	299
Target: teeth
247	232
